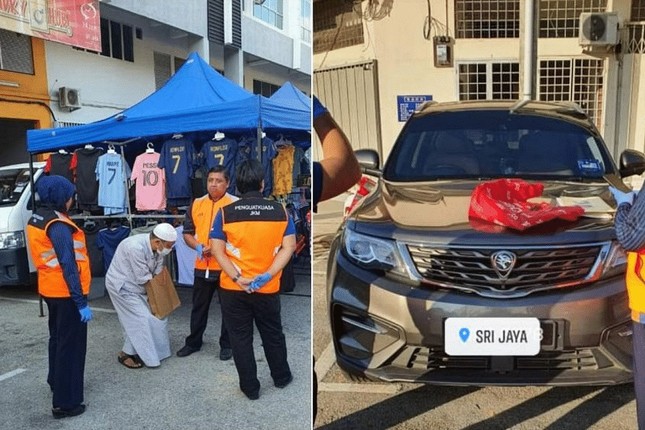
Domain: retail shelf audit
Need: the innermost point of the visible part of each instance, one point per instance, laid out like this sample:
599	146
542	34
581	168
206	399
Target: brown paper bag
162	295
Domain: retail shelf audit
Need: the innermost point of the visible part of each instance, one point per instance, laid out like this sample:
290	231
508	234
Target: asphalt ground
345	404
194	392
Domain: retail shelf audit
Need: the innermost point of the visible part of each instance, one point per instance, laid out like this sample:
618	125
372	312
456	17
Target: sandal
130	361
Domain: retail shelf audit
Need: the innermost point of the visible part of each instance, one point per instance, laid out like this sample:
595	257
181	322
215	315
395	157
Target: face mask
164	251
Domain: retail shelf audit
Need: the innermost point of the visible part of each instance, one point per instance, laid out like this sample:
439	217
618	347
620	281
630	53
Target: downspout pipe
528	50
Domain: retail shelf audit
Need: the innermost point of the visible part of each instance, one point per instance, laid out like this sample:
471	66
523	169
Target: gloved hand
319	109
621	197
86	314
200	250
260	280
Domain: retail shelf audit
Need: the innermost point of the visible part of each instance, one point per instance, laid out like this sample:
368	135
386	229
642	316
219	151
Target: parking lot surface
194	392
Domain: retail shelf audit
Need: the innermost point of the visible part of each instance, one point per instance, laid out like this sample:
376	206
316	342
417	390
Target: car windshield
496	144
12	184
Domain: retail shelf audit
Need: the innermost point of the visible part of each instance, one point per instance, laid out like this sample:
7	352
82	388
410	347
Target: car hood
438	212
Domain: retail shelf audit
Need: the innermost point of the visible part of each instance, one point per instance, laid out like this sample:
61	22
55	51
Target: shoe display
64	413
225	354
284	383
186	351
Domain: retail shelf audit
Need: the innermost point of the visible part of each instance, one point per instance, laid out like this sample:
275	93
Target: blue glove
319	109
200	250
259	281
86	314
621	197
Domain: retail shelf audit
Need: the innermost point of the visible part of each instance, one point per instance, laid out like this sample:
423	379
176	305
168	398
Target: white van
16	267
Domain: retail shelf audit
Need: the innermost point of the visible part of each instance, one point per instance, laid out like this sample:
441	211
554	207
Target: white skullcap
165	231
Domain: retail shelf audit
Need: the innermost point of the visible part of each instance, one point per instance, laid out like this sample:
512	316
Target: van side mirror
369	161
632	162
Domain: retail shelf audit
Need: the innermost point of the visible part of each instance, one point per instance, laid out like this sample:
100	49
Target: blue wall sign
408	104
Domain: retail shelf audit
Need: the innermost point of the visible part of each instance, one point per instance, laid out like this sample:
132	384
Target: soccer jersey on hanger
87	186
220	153
150	182
112	172
178	161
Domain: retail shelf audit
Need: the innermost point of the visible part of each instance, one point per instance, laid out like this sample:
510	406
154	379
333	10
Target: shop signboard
72	22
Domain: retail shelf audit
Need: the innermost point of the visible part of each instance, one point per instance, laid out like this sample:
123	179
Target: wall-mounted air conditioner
69	98
598	29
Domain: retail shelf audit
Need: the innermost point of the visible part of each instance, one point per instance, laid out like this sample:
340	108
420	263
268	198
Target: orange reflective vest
203	214
635	280
51	282
254	229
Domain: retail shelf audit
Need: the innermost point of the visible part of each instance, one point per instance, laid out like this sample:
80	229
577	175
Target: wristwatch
236	277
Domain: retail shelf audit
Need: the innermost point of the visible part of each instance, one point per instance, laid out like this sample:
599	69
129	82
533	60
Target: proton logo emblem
503	263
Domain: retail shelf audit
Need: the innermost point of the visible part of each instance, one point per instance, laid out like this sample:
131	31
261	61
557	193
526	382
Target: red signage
72	22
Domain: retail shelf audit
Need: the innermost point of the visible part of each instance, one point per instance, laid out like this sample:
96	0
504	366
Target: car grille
436	358
534	268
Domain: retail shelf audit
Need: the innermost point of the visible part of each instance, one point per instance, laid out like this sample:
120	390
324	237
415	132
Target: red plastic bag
504	202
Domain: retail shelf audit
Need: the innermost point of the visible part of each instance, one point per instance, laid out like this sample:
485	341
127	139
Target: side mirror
632	162
369	161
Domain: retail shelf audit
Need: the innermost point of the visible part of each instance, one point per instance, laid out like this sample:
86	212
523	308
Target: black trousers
203	291
240	311
67	346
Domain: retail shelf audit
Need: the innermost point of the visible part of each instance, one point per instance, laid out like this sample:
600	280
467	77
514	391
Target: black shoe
186	351
252	395
225	354
284	382
64	413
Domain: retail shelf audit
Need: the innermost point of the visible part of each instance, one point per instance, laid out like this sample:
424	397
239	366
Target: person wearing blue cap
59	252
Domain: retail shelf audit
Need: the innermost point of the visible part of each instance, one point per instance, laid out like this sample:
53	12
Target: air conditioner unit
69	98
598	29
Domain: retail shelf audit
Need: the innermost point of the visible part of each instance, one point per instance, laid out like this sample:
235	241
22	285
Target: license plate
492	336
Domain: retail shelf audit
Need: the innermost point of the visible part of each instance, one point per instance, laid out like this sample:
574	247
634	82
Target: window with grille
561	18
489	81
578	80
16	54
270	12
638	10
264	88
305	20
487	19
166	66
337	24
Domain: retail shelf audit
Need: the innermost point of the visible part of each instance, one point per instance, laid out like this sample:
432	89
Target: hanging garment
60	164
504	202
220	153
178	159
283	170
112	172
87	186
268	154
150	182
185	260
107	241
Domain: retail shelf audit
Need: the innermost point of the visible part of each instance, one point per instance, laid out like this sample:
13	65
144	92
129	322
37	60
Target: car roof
564	110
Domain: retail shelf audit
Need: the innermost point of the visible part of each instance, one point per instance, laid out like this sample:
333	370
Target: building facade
384	56
46	84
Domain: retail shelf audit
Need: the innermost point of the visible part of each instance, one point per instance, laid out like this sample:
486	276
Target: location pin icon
463	334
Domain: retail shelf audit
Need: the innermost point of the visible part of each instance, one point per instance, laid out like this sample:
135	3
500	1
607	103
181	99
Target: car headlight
372	253
616	262
12	239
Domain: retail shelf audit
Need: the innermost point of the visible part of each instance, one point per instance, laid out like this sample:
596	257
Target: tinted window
492	144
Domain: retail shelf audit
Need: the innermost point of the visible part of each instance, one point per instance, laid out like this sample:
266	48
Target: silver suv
419	292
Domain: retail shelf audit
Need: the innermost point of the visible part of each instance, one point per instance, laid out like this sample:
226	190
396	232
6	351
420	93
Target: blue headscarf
54	191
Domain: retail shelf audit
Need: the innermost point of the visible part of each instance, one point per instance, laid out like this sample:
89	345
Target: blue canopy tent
296	101
195	99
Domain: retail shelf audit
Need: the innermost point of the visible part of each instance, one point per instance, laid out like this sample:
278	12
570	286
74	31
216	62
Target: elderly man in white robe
136	260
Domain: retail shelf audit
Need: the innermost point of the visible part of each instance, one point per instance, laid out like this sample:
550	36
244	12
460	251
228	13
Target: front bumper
14	267
392	331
